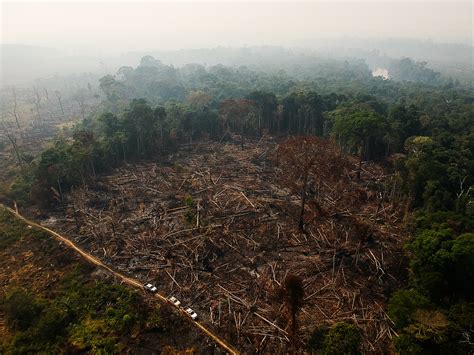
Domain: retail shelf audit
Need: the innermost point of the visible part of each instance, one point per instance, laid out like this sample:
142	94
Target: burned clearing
214	225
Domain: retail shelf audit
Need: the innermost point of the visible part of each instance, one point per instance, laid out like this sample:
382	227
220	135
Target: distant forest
419	126
22	64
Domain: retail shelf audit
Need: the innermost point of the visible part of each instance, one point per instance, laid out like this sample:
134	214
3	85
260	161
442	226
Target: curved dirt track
132	282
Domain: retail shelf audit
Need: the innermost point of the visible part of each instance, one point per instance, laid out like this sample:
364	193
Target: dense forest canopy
26	63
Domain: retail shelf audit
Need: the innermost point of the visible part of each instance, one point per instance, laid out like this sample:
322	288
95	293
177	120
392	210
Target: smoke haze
106	27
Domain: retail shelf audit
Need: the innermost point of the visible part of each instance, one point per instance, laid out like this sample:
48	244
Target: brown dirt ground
230	266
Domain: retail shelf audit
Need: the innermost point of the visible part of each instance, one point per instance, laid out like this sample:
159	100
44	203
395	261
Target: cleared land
51	300
213	225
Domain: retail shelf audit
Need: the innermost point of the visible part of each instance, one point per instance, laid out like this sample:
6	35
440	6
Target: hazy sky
123	26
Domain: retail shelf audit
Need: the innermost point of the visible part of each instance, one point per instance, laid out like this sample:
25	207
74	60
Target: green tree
139	122
403	122
160	117
341	338
403	305
21	309
267	104
357	127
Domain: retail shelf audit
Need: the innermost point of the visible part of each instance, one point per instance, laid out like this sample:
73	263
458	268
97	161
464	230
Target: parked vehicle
150	288
191	313
174	301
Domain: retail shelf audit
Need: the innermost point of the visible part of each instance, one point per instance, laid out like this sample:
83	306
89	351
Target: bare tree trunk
93	168
80	101
60	189
361	155
61	104
74	209
83	111
15	113
37	100
299	121
387	150
12	140
303	201
289	123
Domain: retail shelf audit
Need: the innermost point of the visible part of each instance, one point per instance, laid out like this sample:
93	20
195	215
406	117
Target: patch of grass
11	229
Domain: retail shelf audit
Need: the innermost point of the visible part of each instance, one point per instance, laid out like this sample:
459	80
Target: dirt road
132	282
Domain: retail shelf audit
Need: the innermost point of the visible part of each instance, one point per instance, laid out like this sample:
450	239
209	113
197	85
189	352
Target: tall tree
238	116
160	116
140	123
199	99
357	127
267	105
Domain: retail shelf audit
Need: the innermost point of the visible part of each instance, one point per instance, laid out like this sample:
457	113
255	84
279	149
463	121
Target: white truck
150	288
191	313
174	301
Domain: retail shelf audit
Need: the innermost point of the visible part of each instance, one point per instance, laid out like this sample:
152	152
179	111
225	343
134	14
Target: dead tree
37	102
9	133
81	102
303	157
293	295
58	95
14	110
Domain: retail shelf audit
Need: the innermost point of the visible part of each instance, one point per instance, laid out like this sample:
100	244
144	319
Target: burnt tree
305	159
293	295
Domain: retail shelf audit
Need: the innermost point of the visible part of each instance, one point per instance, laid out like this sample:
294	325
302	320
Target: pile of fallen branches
215	227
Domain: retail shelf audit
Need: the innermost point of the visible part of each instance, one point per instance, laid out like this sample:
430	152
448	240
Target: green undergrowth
94	317
11	229
81	313
341	338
